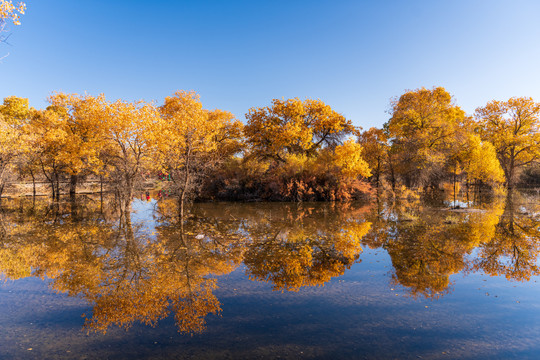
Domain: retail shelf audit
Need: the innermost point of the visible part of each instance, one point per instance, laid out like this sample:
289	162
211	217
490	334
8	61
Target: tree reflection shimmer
130	272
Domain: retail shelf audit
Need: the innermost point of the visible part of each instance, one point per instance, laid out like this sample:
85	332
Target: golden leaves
423	130
184	128
513	127
294	127
303	142
11	11
349	158
480	161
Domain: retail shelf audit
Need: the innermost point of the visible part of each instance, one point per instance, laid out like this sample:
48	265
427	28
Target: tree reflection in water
129	273
513	250
428	245
303	245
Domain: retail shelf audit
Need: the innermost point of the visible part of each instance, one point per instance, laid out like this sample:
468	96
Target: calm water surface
403	279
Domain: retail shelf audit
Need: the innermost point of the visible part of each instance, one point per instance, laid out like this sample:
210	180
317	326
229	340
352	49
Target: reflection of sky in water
142	212
458	204
364	313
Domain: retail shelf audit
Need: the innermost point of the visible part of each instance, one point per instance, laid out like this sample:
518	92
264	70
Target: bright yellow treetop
82	121
294	127
349	158
185	129
513	127
424	122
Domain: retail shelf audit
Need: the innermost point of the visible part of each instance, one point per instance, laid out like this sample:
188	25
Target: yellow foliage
81	119
294	164
513	127
512	248
375	148
127	126
13	113
11	11
349	158
188	141
480	161
15	110
423	131
14	264
294	127
10	145
183	129
482	224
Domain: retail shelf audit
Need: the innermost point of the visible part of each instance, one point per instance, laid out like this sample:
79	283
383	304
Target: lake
400	279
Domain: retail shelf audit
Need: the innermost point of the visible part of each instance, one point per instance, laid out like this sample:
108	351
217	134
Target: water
404	279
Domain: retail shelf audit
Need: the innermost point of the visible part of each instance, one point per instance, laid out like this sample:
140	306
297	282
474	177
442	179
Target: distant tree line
291	150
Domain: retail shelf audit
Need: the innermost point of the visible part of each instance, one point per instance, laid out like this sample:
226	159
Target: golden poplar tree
375	147
422	132
188	140
47	138
81	119
13	115
513	127
127	151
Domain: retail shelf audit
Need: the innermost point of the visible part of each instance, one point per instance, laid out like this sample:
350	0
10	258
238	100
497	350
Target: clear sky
353	55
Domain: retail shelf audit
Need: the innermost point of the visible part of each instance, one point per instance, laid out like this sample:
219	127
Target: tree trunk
52	188
73	185
181	205
186	182
50	179
378	171
510	180
57	178
509	170
2	183
101	191
455	170
33	185
183	195
467	191
128	194
74	208
392	175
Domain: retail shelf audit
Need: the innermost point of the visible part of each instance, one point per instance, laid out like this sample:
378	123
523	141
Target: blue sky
353	55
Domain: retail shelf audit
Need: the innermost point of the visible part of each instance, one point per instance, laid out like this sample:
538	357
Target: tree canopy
513	127
292	150
294	127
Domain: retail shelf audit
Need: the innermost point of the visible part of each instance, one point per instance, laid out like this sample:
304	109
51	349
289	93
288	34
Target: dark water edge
364	313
